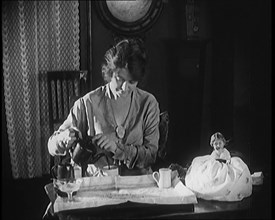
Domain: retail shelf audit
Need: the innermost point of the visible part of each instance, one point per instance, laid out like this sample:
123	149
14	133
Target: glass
68	186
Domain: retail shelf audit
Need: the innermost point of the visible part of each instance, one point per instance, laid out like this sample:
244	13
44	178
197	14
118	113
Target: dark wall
258	53
230	86
241	91
234	76
171	27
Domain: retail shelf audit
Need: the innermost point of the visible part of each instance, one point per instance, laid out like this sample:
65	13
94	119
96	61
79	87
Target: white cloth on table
111	190
213	180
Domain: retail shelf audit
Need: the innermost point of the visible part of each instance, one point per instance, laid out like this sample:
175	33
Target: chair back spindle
64	87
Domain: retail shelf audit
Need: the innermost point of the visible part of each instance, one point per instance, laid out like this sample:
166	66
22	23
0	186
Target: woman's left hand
105	142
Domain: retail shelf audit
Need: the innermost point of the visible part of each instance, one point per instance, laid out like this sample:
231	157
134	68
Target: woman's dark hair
128	53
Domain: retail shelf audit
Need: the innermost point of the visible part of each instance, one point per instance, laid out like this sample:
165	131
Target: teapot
85	151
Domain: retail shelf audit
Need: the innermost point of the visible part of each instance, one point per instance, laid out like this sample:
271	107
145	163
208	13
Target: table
258	205
130	210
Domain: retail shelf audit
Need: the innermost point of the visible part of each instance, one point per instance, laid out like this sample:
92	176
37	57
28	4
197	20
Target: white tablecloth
107	190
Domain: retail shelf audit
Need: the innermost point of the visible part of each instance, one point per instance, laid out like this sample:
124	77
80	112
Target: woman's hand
105	142
66	138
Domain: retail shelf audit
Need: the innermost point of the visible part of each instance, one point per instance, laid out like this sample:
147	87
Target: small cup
111	170
163	178
62	171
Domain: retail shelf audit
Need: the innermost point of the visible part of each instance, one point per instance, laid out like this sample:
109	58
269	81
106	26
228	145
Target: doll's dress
213	180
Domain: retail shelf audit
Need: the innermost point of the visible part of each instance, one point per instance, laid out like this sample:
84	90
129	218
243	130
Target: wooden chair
163	137
63	88
163	134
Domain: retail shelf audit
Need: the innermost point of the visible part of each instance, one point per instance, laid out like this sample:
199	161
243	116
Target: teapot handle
53	171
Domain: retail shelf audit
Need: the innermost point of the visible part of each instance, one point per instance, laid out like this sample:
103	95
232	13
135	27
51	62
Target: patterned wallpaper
37	36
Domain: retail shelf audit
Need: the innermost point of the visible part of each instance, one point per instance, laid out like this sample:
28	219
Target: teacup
62	171
163	177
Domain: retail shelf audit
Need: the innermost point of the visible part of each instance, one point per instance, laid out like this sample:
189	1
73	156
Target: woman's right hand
66	138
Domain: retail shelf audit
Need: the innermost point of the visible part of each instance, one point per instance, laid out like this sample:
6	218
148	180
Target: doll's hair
127	53
218	136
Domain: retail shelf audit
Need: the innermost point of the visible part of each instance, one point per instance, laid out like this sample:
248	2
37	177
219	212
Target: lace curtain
37	36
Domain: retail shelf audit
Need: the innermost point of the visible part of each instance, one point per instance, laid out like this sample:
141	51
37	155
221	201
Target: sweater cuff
126	153
54	148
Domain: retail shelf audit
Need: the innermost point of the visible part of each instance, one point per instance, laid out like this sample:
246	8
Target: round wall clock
129	17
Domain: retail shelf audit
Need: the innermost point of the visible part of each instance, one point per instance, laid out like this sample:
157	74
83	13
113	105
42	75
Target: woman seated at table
122	118
214	177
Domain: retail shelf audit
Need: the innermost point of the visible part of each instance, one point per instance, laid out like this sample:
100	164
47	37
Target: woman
121	118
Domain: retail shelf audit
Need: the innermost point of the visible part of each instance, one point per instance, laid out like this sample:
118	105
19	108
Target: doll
219	152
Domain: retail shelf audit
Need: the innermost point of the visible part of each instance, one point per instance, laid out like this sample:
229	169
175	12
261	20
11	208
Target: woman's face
218	145
122	80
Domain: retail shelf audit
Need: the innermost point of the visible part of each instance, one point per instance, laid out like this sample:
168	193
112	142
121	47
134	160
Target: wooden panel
185	70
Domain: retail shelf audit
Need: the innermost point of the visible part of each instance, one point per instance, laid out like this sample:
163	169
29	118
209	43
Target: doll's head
218	141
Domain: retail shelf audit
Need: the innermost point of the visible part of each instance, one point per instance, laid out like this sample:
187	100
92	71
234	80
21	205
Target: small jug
163	178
